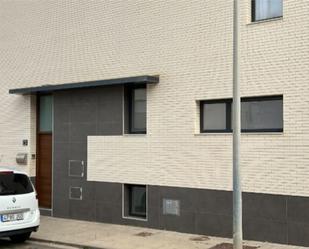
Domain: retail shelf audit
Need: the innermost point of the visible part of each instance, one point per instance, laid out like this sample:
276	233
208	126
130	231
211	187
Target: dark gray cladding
79	113
273	218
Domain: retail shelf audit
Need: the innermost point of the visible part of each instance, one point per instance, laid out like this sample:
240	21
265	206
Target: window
260	114
45	113
137	109
266	9
135	201
215	116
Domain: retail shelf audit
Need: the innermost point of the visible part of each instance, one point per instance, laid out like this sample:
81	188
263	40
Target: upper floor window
137	111
266	9
258	114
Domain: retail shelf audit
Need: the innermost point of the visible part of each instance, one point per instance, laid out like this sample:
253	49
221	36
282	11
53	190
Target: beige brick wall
189	44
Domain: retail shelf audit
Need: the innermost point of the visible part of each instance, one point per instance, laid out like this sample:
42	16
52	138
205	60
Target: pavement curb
65	244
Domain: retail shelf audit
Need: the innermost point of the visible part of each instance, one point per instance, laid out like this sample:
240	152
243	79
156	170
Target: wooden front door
44	151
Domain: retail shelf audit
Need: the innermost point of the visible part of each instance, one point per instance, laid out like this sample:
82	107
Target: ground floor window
135	201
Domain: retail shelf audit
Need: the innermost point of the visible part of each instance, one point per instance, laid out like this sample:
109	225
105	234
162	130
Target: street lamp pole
237	198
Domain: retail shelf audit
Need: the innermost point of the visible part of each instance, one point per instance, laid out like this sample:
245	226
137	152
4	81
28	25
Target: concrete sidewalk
107	236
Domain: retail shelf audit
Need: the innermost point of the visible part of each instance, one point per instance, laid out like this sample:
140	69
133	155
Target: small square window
135	201
266	9
216	116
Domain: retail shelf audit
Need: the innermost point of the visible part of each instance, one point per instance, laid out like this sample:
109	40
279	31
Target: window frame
131	129
228	118
264	98
127	202
229	103
253	16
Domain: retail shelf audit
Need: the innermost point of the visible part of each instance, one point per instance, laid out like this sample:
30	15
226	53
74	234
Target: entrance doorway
44	150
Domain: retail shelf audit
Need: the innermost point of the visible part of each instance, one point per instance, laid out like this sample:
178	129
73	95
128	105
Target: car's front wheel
20	238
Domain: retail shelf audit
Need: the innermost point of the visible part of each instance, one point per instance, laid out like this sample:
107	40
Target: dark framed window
135	201
258	114
216	115
262	114
266	9
137	109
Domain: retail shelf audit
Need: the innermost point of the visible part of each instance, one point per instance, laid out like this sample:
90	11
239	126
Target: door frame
38	95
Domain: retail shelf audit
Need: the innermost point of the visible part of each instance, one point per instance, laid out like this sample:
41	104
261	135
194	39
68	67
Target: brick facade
187	43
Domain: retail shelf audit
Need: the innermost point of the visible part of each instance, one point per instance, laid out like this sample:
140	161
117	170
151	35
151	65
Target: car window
14	184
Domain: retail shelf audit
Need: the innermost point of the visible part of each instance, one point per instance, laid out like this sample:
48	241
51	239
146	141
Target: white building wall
187	43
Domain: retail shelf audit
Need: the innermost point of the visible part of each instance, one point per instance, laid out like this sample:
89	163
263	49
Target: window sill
243	133
212	134
134	134
134	218
266	20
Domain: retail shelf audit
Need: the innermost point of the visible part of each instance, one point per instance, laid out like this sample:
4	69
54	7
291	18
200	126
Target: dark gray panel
213	224
76	115
105	211
85	97
183	223
61	189
77	151
154	196
108	111
264	206
60	154
109	128
61	132
80	131
81	113
82	210
110	193
61	206
213	201
62	111
265	230
298	233
63	99
297	209
154	217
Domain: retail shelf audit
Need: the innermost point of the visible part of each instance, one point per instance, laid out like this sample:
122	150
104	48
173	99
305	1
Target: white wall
189	44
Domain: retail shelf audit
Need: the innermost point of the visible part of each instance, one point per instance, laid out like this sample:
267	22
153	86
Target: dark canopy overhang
145	79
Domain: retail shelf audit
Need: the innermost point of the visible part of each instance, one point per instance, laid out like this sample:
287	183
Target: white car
19	212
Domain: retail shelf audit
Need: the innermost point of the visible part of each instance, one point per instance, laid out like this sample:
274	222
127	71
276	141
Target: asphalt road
6	244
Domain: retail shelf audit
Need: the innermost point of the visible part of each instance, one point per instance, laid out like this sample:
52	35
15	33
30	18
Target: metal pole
237	199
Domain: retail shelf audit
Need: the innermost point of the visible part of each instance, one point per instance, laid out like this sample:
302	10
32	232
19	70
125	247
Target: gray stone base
273	218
